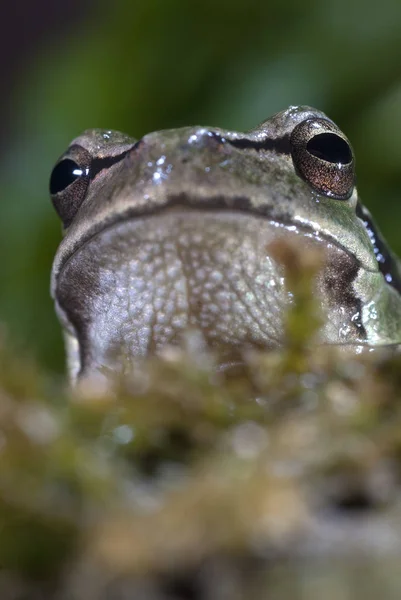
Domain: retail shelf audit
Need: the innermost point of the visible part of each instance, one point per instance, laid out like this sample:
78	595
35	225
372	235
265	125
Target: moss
182	482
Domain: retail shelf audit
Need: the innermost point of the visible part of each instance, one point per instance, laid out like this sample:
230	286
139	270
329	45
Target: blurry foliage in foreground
279	480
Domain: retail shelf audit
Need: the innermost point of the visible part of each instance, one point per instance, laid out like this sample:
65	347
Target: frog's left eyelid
98	164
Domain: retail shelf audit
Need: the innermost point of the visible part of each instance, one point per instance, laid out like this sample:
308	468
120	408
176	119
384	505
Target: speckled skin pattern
173	234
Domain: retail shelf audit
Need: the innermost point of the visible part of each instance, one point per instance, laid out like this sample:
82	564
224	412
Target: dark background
144	65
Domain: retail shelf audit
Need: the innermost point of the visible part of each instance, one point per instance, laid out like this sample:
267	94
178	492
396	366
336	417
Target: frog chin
145	282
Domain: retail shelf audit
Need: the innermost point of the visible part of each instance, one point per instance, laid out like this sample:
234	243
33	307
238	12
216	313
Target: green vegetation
182	482
280	480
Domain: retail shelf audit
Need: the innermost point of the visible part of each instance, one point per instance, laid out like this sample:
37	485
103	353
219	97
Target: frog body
171	233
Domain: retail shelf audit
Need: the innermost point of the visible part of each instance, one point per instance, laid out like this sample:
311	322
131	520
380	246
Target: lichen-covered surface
279	479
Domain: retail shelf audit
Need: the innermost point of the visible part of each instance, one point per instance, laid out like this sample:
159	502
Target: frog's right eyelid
281	145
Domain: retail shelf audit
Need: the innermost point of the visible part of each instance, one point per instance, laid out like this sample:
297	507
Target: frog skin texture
172	232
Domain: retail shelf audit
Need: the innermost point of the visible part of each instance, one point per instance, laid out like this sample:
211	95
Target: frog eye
69	183
323	157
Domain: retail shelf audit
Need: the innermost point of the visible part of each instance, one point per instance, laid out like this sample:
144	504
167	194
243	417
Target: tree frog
172	232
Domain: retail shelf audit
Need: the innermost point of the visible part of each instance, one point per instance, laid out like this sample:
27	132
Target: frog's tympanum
172	232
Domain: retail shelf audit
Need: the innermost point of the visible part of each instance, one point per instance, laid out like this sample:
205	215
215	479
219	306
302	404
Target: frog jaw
145	281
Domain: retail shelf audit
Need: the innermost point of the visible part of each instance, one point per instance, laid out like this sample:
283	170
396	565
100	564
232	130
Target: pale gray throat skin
173	235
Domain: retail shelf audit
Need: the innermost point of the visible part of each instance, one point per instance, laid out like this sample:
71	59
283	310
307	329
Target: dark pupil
65	173
330	147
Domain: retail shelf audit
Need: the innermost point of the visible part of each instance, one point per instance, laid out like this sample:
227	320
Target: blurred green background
144	65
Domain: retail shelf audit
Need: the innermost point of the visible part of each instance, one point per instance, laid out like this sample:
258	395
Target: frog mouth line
215	204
